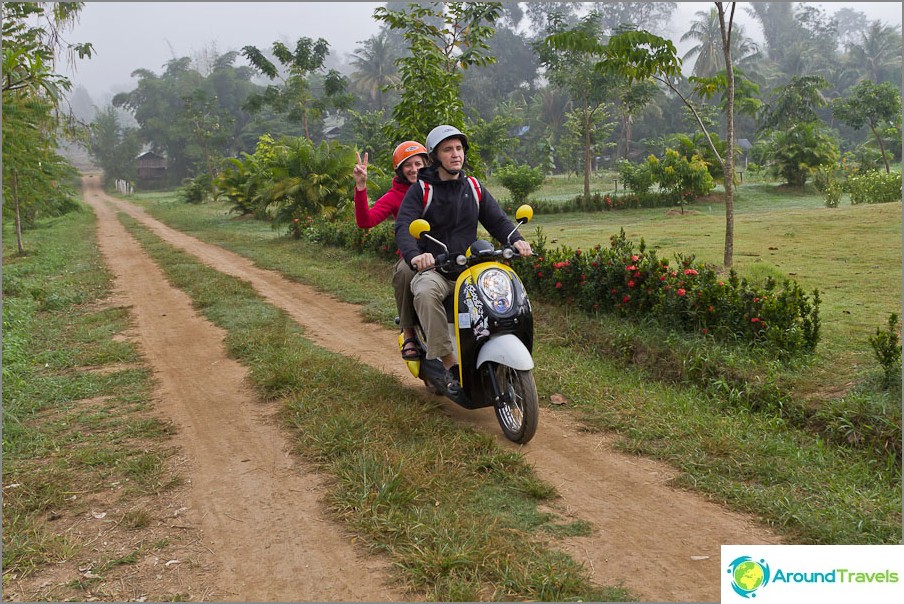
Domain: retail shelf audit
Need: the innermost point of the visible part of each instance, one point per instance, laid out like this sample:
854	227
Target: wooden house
151	166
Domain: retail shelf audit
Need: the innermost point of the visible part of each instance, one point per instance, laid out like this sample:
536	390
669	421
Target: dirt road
660	542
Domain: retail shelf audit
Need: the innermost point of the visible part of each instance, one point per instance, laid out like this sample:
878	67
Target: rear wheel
518	411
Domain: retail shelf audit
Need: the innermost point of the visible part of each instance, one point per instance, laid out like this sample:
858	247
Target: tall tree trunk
587	121
729	161
881	146
628	121
20	245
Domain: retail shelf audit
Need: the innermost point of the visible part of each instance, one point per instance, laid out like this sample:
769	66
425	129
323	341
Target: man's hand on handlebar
522	247
423	262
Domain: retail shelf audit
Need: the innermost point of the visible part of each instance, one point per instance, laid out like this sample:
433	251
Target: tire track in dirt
260	514
662	543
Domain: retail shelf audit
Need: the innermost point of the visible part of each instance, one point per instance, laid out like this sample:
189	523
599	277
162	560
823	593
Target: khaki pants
430	289
401	283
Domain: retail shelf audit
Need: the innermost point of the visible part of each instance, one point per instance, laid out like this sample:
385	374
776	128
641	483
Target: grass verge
80	443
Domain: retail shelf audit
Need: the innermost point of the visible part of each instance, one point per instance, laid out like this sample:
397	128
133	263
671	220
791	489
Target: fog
146	35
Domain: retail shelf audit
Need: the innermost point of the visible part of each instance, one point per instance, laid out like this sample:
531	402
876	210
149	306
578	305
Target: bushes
688	297
521	181
874	187
886	346
341	231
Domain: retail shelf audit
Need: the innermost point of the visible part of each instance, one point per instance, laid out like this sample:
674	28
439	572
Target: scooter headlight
496	287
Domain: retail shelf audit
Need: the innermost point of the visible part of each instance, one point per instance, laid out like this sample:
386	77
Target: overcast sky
145	35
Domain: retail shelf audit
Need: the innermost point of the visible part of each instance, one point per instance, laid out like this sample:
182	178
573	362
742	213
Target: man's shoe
450	380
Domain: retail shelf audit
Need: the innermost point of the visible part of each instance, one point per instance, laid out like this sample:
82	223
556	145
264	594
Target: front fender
507	350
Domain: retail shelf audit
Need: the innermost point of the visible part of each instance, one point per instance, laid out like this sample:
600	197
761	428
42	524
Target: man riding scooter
453	205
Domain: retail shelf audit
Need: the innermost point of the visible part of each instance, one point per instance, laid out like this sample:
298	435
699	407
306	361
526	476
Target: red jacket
368	217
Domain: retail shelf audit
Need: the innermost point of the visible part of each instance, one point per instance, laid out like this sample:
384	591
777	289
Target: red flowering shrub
689	297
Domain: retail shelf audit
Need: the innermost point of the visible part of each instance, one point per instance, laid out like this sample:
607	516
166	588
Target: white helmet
441	133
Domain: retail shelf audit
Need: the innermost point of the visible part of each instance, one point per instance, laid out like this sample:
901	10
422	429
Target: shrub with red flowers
687	296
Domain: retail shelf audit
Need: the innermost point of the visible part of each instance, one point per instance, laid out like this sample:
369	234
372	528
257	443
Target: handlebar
445	260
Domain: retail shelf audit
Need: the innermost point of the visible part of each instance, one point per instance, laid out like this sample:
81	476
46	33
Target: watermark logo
748	575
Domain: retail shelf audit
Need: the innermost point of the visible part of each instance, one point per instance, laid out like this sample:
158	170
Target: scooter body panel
506	349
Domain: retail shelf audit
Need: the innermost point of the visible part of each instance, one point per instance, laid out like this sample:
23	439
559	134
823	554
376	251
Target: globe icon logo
748	575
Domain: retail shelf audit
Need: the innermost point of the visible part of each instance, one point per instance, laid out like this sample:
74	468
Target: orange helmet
406	150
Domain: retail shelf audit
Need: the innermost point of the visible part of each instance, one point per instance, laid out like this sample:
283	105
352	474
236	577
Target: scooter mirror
524	213
418	228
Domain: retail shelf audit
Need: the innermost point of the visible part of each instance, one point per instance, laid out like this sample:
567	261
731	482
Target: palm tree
705	31
879	50
375	67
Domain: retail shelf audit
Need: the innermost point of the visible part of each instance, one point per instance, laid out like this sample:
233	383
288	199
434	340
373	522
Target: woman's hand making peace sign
360	172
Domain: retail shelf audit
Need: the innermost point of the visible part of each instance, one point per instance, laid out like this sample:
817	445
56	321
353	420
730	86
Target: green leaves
444	39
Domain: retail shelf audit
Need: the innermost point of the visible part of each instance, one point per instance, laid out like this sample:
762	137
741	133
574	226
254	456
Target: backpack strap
428	195
428	192
478	192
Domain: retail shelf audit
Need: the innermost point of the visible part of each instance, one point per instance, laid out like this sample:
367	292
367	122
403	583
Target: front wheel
518	409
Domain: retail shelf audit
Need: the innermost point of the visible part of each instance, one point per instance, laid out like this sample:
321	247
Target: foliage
244	181
872	105
697	145
114	146
294	98
443	39
197	189
794	103
690	297
37	181
680	178
309	180
493	140
341	231
886	346
520	180
874	187
367	135
191	118
800	150
637	178
31	39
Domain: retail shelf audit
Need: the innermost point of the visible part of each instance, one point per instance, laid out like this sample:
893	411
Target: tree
570	66
35	176
443	39
638	55
795	102
871	105
193	119
797	152
879	49
509	77
706	31
114	146
32	37
493	138
652	16
375	68
294	97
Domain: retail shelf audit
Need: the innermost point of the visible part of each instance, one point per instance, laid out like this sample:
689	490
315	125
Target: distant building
151	166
